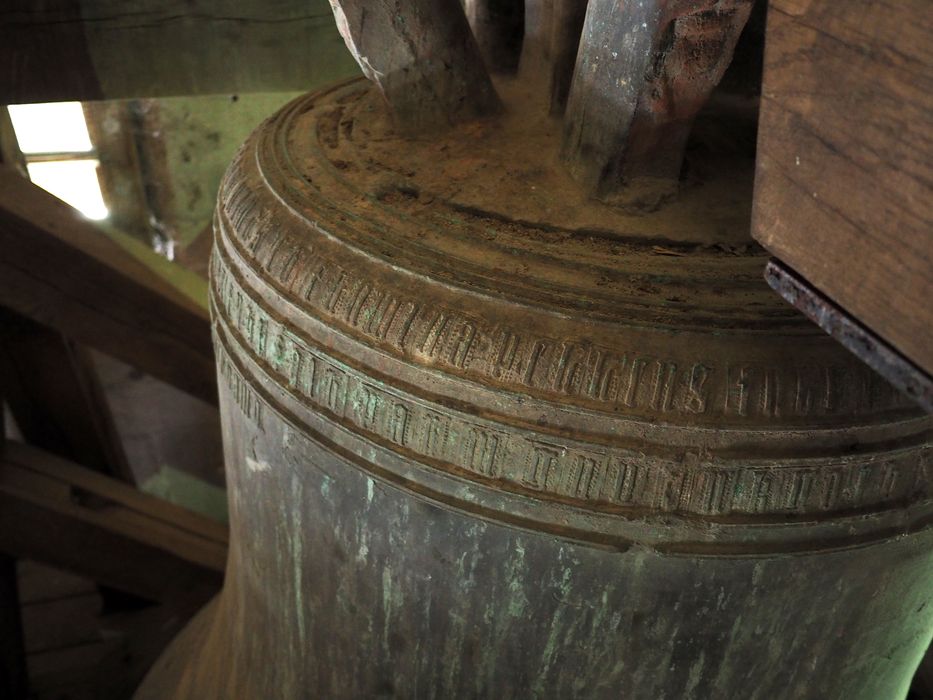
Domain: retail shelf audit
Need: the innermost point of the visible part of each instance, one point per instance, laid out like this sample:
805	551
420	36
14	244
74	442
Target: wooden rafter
92	50
497	26
58	270
58	513
53	392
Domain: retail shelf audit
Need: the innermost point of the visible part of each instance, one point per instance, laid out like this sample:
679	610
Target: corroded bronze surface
472	455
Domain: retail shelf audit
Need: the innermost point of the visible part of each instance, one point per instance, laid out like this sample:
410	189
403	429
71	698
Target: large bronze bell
488	439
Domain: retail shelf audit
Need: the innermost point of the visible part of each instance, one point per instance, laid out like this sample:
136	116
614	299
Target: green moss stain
515	575
187	491
296	539
695	675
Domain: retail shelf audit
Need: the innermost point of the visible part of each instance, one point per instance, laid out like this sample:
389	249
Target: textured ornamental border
278	260
587	373
543	463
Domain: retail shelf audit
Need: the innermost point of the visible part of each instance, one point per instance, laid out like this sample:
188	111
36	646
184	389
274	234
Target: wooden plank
56	398
55	512
60	271
844	179
120	136
422	56
119	250
50	383
77	648
112	491
643	71
861	342
109	49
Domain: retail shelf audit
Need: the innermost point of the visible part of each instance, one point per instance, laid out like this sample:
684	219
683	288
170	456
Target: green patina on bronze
478	447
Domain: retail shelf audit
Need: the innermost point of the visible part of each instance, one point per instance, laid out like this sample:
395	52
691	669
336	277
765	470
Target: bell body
472	454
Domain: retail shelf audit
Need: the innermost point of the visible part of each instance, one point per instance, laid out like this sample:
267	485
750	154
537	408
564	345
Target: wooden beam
58	270
535	61
58	513
643	71
843	192
567	25
497	27
10	155
422	56
101	49
53	391
120	135
551	38
49	382
902	374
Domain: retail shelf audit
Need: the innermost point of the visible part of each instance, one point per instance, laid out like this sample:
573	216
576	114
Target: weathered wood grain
422	56
549	48
50	383
55	512
844	181
497	27
567	25
52	389
108	49
861	342
58	270
642	73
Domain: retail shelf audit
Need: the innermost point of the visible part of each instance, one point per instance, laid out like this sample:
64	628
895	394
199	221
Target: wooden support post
497	27
568	16
903	374
10	155
55	512
536	40
14	683
844	173
93	50
422	56
549	48
60	271
53	391
49	382
643	71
